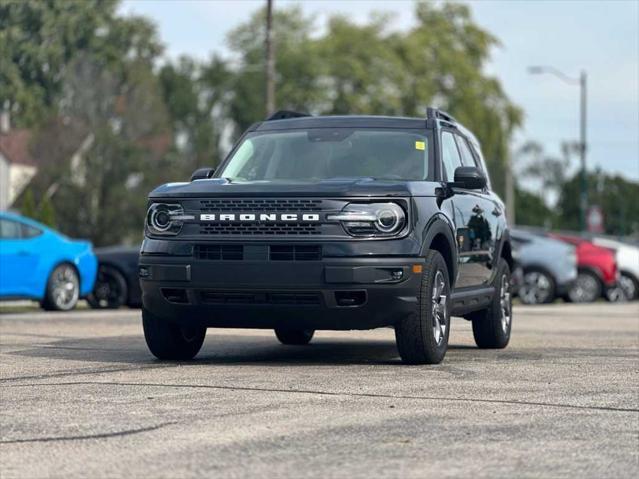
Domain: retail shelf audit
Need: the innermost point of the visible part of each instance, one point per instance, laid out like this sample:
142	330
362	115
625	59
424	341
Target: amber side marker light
417	268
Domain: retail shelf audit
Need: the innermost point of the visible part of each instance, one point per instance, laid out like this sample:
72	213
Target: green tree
367	69
615	195
37	40
196	99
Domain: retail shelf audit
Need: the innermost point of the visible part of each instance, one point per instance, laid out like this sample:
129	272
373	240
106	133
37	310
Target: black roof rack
437	113
286	114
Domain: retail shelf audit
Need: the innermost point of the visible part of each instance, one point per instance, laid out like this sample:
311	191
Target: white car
628	262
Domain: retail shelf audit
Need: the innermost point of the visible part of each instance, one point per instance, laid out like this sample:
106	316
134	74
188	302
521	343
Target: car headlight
371	219
165	219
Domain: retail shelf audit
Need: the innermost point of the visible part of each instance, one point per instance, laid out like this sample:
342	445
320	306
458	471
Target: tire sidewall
49	302
503	269
118	278
598	293
551	281
426	314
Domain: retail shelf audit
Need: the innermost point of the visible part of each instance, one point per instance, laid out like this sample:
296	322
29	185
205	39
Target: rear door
470	210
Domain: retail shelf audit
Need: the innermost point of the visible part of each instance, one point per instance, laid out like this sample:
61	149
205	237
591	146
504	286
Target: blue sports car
39	263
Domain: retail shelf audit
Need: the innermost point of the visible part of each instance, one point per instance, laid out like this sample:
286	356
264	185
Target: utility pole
270	59
583	198
510	192
583	146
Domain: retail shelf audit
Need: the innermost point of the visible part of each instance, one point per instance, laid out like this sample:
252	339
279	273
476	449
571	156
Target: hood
335	187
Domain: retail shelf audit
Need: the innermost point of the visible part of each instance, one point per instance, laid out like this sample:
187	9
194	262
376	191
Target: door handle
23	253
497	212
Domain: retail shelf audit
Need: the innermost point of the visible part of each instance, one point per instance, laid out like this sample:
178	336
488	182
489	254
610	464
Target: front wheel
629	285
422	337
492	326
587	288
294	337
63	289
169	341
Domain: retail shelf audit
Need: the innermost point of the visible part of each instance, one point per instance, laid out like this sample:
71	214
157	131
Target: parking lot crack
333	393
105	435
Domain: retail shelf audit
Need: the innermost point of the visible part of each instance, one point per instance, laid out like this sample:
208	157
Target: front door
17	260
471	214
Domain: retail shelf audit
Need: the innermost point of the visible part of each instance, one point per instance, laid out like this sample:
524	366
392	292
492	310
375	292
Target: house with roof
17	166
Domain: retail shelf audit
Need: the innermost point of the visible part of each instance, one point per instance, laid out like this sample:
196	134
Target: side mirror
470	178
202	173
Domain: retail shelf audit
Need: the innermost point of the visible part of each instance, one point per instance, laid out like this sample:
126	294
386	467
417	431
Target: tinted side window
9	229
466	155
30	231
450	155
482	164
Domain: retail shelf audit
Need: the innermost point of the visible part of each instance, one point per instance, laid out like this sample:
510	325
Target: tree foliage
113	118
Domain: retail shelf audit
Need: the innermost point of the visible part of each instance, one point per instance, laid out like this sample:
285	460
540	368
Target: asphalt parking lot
82	397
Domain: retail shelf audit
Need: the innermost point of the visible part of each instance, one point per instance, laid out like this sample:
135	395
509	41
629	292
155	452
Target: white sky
601	37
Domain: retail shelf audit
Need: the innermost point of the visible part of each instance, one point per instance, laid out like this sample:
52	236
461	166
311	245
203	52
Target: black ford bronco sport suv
336	222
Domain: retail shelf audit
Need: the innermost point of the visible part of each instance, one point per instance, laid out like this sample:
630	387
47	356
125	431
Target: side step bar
464	302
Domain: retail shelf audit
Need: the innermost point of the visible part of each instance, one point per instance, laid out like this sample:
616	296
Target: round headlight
388	219
161	220
165	219
371	219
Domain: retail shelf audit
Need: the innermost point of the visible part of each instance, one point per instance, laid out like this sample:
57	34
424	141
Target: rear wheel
110	290
492	326
63	289
167	340
629	285
294	337
422	337
538	287
587	288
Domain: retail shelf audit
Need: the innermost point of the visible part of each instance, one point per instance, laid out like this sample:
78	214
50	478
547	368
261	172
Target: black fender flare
439	225
503	241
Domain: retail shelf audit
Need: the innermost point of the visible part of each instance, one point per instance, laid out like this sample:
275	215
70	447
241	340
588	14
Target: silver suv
549	267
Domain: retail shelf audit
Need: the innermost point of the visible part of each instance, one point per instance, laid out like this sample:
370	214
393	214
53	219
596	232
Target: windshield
323	153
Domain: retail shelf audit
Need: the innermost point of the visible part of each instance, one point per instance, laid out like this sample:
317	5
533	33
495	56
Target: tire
616	294
587	288
63	289
422	337
538	287
169	341
110	290
294	337
492	326
629	285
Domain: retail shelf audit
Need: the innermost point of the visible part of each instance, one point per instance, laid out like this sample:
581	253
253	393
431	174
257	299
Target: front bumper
331	293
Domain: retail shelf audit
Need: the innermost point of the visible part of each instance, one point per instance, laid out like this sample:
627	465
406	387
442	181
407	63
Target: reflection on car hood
334	187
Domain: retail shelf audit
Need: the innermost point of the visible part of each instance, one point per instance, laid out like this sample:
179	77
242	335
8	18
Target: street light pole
583	146
583	199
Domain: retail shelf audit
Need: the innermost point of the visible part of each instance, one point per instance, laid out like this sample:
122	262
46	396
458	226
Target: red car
597	269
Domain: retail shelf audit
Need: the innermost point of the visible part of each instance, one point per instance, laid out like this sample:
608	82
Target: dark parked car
345	222
117	282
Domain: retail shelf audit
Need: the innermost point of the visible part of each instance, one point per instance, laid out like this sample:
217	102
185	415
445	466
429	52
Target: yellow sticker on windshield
420	145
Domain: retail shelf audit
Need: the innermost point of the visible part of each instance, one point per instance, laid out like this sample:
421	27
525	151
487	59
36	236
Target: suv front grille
260	205
260	229
295	253
259	297
217	252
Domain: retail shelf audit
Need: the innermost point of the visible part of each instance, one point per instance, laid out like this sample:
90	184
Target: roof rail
437	113
286	114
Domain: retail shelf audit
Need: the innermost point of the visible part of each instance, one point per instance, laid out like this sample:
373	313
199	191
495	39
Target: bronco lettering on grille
263	217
